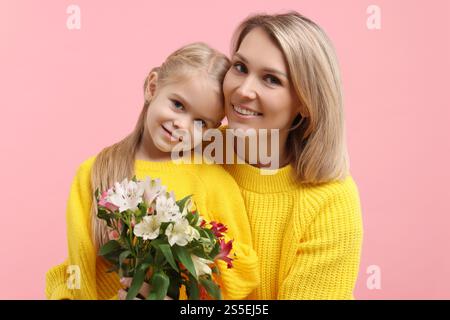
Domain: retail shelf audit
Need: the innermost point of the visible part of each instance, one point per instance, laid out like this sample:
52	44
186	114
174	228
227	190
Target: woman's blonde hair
316	143
116	162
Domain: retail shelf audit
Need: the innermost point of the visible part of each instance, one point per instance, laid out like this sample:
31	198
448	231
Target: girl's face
257	90
177	105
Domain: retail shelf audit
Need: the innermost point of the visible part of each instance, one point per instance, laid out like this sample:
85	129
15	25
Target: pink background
65	94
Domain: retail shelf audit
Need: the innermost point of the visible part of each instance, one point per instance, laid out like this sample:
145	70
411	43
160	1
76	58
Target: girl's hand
143	292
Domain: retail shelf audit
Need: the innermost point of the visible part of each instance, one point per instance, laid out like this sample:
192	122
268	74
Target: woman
305	217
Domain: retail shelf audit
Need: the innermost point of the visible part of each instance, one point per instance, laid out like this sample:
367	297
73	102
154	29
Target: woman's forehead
259	50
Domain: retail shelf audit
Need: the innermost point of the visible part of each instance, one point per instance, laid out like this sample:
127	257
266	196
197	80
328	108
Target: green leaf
123	256
148	258
185	258
136	284
157	242
160	285
192	289
167	252
143	209
175	284
215	251
200	252
109	247
181	203
159	258
212	289
193	218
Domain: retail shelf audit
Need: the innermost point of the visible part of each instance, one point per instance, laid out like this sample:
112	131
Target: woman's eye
272	80
240	67
177	105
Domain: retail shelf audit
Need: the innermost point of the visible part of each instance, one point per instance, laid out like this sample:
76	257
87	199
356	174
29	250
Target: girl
185	88
305	217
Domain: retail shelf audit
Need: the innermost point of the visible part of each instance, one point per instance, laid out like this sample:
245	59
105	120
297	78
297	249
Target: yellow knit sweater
308	239
217	198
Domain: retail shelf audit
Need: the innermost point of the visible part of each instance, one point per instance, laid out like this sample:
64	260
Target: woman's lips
244	112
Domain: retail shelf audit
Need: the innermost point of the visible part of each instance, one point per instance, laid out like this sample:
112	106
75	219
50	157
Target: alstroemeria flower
225	249
201	265
167	209
104	201
148	228
113	235
127	195
181	233
218	228
152	189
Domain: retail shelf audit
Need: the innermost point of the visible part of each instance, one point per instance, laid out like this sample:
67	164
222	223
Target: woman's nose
247	89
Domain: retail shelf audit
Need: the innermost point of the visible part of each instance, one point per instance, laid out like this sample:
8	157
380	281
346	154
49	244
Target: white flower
201	265
192	233
148	228
181	233
200	220
126	195
188	206
167	209
153	188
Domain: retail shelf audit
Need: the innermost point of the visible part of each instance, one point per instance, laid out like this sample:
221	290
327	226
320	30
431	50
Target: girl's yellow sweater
308	239
217	197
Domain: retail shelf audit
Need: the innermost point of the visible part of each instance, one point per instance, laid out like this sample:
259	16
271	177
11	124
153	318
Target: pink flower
218	228
104	202
225	248
114	235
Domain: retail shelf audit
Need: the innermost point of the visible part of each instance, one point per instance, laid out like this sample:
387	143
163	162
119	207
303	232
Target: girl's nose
181	123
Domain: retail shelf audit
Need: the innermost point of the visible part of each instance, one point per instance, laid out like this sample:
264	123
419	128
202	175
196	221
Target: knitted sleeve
225	205
80	267
328	251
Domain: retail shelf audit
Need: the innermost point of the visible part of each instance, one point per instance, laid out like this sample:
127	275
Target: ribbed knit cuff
240	280
56	283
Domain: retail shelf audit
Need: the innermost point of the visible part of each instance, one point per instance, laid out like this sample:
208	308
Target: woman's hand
143	292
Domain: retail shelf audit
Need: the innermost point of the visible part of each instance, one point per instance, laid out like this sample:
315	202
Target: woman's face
258	93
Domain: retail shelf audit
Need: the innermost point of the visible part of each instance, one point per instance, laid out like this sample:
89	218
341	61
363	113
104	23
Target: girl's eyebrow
183	100
270	70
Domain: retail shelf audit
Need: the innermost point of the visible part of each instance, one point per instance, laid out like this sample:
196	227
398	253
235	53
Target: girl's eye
241	68
200	122
177	105
272	80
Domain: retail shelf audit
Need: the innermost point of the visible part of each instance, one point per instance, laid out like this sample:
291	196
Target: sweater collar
258	180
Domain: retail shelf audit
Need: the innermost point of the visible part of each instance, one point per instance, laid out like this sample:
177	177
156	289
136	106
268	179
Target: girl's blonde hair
116	162
316	143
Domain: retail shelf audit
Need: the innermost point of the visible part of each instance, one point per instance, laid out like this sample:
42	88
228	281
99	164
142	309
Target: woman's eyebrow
269	70
185	103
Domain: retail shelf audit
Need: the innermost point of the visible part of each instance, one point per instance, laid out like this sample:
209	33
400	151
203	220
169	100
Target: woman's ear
150	85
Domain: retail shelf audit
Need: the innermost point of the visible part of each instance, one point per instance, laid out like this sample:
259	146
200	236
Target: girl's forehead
200	94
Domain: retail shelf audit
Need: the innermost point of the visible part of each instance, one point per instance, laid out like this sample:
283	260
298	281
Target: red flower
204	294
218	228
225	248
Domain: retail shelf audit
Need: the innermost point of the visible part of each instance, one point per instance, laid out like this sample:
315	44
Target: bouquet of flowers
155	239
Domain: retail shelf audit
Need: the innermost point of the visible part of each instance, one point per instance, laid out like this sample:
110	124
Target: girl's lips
168	134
